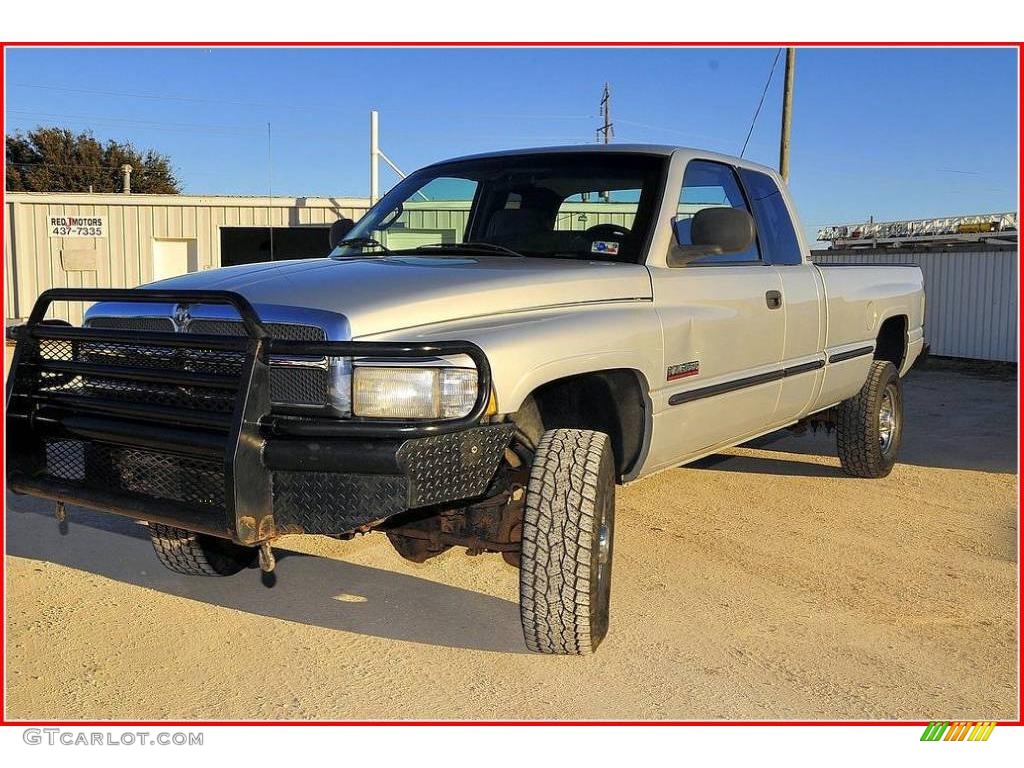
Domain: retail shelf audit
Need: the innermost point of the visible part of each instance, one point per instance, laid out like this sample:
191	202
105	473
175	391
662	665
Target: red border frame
526	44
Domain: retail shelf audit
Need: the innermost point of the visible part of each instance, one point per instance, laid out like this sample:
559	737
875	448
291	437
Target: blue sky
901	133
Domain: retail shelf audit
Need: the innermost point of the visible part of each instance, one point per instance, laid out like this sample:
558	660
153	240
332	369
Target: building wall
971	296
123	258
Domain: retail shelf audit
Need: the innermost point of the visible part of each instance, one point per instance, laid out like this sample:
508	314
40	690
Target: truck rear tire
869	426
568	528
196	554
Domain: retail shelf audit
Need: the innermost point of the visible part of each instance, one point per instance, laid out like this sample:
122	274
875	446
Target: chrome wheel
604	545
888	418
601	559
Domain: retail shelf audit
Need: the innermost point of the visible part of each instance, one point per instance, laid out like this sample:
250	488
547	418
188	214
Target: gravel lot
759	584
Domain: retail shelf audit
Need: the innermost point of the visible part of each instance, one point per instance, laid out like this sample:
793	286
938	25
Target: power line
151	96
132	120
761	102
75	165
666	129
279	105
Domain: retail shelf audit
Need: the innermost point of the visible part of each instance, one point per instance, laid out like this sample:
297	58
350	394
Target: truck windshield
579	205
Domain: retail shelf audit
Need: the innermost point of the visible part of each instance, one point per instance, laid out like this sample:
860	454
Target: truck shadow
315	591
778	464
954	420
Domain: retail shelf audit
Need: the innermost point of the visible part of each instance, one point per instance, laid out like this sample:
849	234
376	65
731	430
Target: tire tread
857	425
558	525
191	553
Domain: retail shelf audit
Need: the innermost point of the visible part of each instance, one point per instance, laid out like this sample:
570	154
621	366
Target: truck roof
659	150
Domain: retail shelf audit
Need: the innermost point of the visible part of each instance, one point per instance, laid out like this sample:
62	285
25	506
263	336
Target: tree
58	160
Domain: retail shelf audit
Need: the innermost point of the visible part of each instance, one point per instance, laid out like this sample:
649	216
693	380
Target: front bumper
179	430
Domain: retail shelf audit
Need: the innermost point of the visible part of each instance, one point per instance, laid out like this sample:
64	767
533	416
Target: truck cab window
587	206
437	212
705	185
774	224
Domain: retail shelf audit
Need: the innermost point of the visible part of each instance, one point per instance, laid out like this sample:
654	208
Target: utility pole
374	159
787	113
607	130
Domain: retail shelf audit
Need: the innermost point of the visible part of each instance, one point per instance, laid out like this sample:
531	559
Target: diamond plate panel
326	502
453	466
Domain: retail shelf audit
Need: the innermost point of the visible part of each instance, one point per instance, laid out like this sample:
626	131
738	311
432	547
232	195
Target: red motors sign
77	226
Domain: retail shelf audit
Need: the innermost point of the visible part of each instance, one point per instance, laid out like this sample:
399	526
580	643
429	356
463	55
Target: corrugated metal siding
572	216
124	258
971	306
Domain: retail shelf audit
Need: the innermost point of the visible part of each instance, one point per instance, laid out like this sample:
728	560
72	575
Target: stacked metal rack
949	230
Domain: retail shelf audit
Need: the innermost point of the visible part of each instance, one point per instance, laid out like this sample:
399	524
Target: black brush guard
178	428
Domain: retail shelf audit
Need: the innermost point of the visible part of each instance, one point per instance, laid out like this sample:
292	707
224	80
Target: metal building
121	240
971	295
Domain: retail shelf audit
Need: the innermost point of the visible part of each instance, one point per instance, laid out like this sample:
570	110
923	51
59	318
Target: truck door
803	295
724	332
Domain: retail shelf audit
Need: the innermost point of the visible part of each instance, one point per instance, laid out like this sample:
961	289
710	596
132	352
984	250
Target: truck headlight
413	392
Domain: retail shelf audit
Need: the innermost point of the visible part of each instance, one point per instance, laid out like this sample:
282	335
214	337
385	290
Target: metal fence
971	306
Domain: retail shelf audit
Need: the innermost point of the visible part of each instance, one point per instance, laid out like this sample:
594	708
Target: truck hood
391	293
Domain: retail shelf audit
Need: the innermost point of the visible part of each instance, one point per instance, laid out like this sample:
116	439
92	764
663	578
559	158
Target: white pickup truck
479	361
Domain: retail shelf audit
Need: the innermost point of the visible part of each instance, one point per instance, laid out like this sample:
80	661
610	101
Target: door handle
773	299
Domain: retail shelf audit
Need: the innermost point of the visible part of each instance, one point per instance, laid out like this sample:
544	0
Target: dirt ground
759	584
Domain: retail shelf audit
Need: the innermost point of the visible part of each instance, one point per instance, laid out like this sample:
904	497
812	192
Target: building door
255	245
173	257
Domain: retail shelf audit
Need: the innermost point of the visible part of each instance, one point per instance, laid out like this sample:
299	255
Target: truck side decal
682	370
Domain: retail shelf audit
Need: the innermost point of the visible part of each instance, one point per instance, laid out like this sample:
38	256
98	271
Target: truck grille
156	324
282	331
296	385
93	384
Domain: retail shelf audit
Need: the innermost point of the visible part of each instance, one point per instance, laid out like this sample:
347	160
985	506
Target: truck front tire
568	528
869	426
196	554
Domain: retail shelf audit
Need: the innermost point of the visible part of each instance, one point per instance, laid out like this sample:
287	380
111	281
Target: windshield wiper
473	246
365	242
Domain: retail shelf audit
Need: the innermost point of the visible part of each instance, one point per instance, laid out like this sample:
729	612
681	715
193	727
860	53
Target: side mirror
339	230
712	231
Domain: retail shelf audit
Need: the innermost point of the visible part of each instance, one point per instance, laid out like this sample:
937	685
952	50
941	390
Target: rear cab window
775	231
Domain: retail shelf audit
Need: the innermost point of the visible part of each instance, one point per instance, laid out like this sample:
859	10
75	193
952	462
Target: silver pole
270	190
374	158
